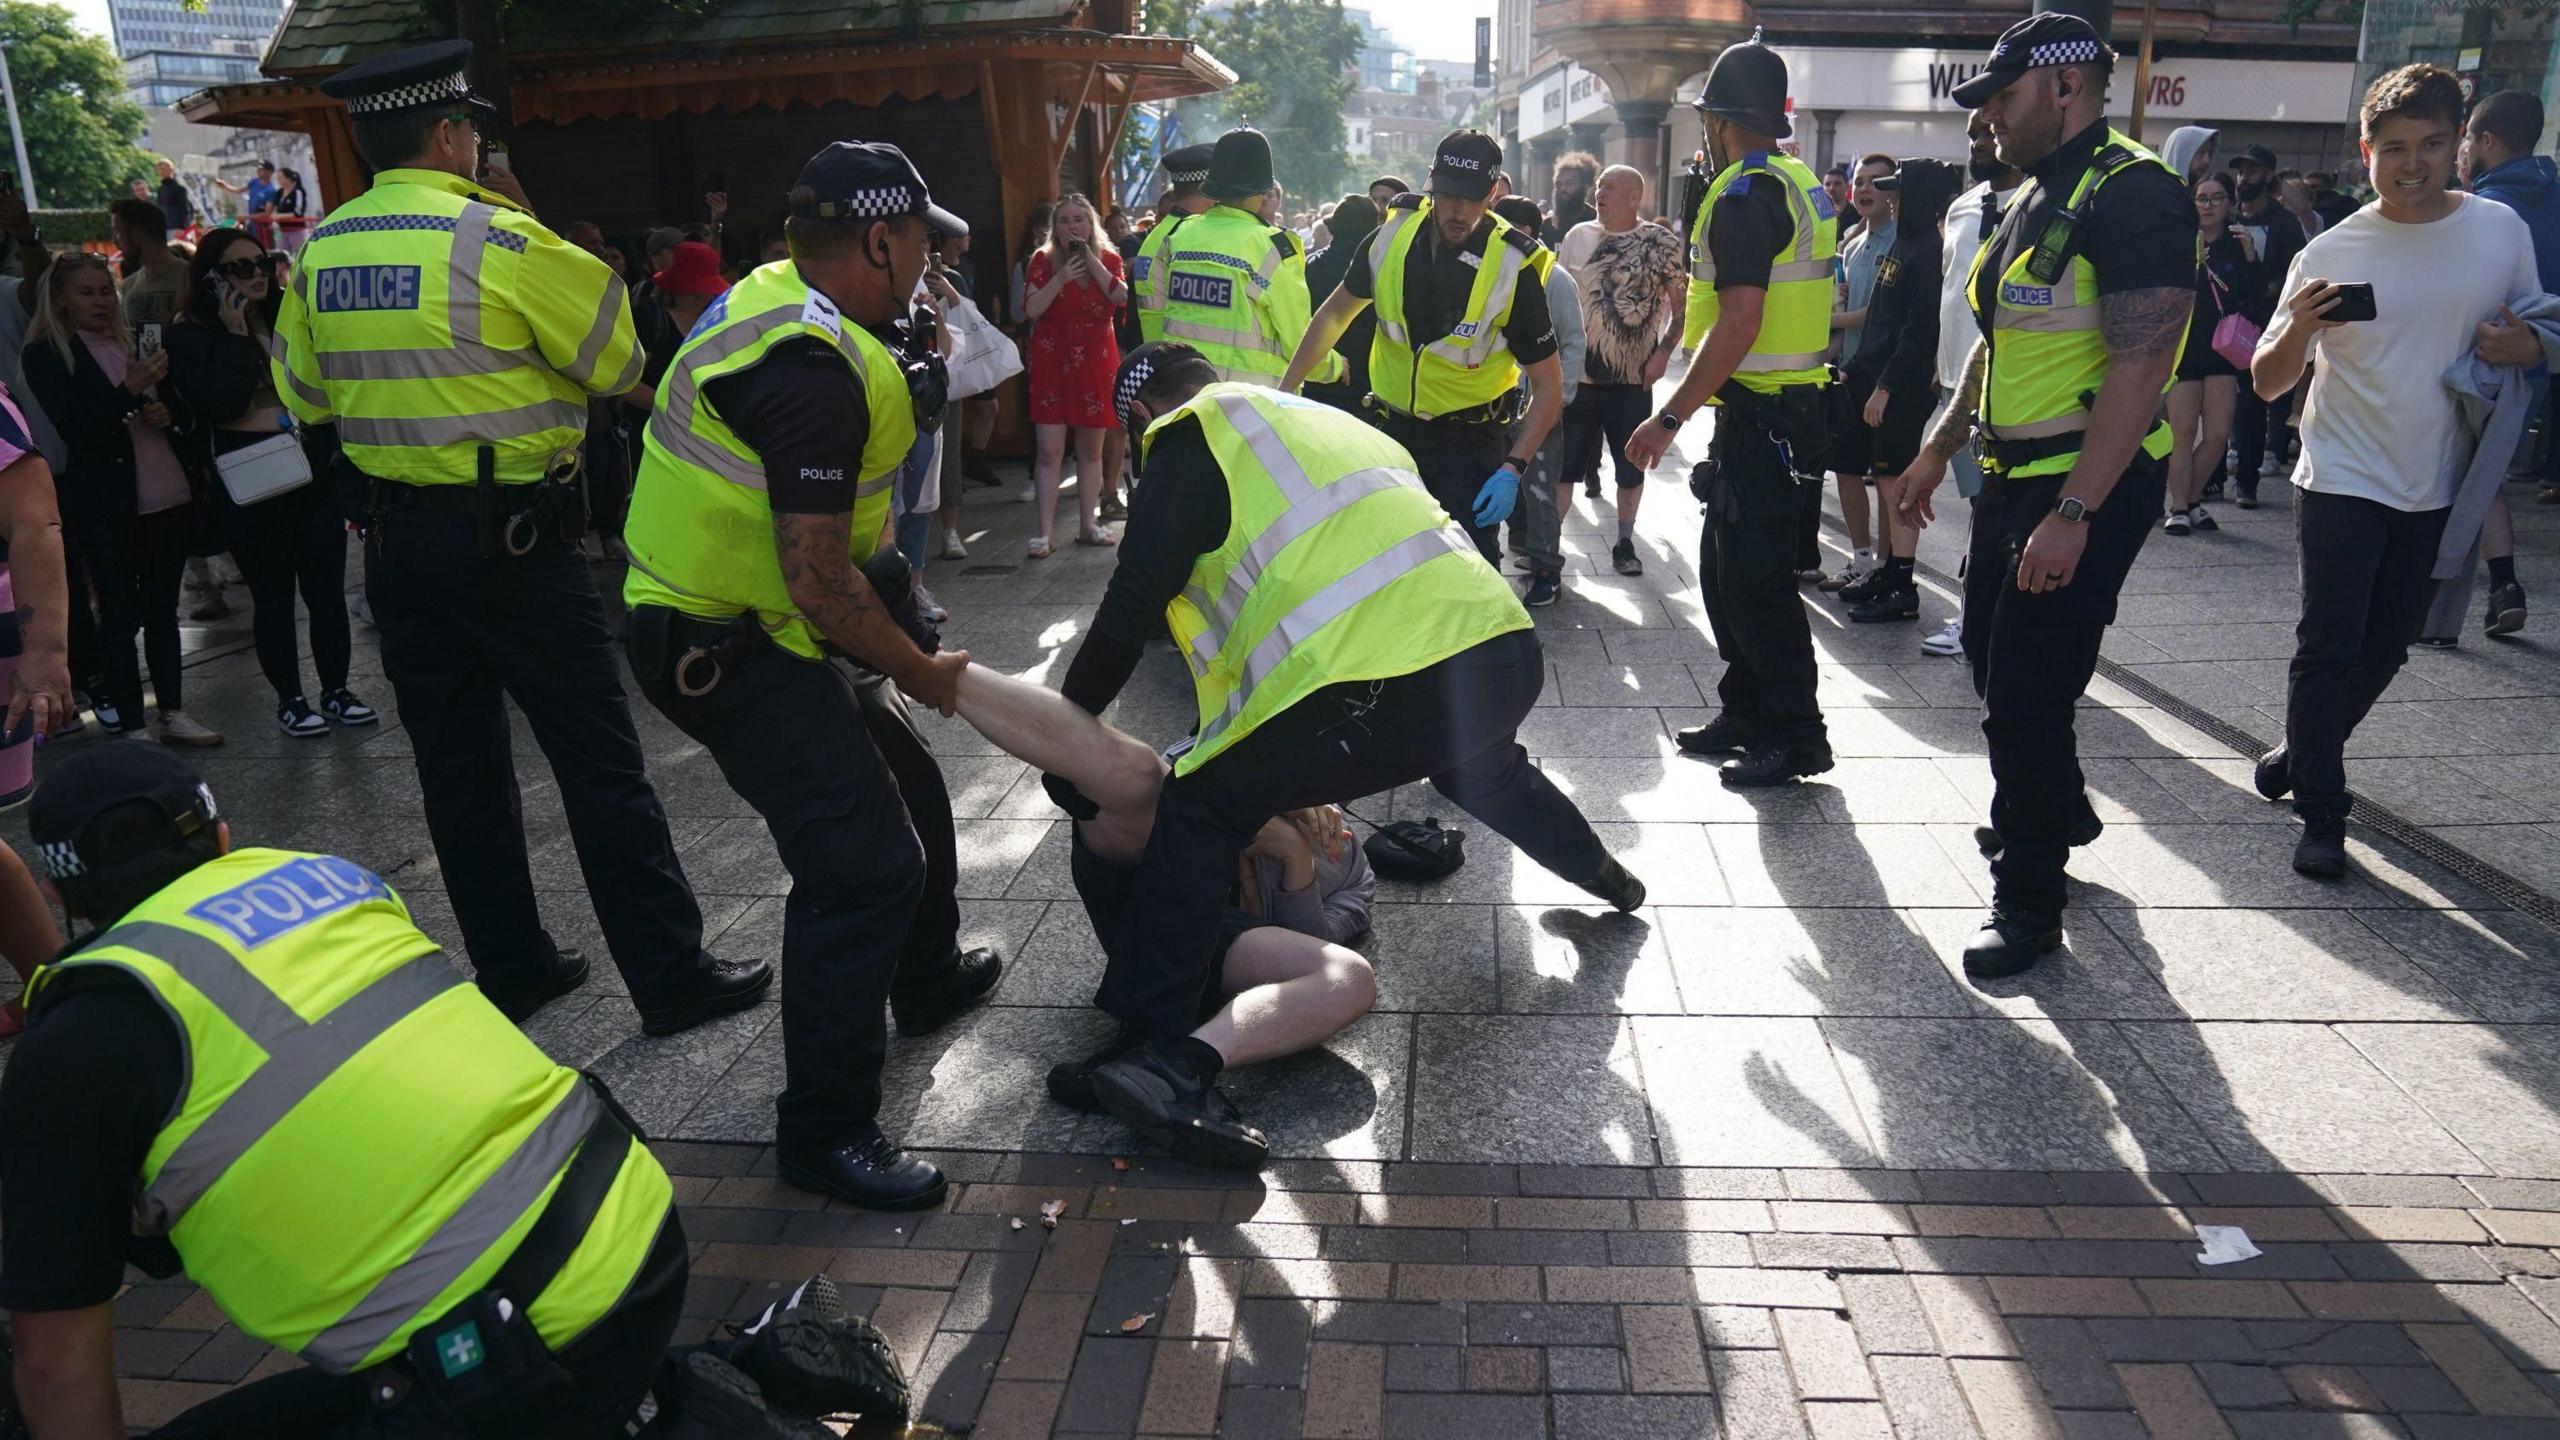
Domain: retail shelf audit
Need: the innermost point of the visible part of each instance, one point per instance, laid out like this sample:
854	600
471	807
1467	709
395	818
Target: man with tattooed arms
2082	297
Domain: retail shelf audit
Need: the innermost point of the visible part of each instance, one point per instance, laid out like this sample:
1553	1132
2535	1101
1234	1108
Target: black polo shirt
1437	281
2139	234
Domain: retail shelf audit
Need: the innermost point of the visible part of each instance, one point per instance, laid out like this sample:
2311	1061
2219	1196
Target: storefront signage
1923	81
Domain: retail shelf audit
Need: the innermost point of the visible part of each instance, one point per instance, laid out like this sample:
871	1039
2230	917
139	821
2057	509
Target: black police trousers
1455	723
1746	575
460	637
2032	656
1454	460
856	806
610	1368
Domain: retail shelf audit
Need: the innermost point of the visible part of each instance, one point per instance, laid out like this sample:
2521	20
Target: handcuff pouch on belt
558	498
701	668
1792	419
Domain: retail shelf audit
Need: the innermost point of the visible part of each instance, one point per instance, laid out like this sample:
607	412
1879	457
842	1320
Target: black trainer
2273	776
2506	610
811	1358
1618	886
1623	556
1722	735
1774	763
2322	851
1868	586
1902	602
518	1003
875	1175
1071	1081
295	717
712	1399
719	987
1591	485
1180	1111
2007	944
972	977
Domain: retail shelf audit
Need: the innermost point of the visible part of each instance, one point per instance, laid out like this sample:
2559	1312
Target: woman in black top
296	540
292	207
2208	386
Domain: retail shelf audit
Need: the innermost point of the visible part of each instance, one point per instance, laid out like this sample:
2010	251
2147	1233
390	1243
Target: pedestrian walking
2080	330
2208	385
454	341
1763	248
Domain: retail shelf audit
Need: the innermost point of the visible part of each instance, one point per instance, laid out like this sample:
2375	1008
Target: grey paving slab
1672	788
1821	865
2296	1097
1434	958
2094	976
2503	966
1345	1100
2495	1087
1770	960
1556	961
1564	1088
2217	964
1749	1092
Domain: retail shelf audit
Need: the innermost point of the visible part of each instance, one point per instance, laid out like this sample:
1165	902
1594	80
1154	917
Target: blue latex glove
1493	502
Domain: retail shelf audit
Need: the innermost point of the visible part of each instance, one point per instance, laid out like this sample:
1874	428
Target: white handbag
982	356
274	466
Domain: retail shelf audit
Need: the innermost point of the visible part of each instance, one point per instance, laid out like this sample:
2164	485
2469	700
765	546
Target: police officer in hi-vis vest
257	1069
763	491
1226	281
1760	318
2083	296
1188	169
1343	637
1462	328
455	341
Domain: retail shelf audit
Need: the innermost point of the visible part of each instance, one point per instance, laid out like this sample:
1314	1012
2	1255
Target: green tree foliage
1295	66
81	131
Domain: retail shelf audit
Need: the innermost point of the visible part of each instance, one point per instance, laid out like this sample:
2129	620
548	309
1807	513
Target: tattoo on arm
817	569
1956	426
2141	324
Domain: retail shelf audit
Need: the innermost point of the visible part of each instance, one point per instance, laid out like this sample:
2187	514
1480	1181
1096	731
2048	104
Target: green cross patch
458	1350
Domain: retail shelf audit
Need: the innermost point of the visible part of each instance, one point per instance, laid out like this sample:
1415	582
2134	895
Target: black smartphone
2355	302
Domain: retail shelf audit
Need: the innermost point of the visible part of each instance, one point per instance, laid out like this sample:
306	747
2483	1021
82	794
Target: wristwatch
1518	465
2070	508
1668	421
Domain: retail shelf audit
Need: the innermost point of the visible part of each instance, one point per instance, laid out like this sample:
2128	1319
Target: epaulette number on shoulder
1286	241
2112	158
1522	241
1406	201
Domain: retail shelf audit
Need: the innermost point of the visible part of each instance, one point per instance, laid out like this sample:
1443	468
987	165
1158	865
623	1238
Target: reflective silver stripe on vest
437	430
1764	363
1381	245
1798	270
1702	265
671	424
471	231
609	312
1330	604
1153	297
463	358
282	355
464	1239
1479	348
2069	424
1249	339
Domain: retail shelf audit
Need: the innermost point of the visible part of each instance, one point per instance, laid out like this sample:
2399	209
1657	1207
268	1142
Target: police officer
1188	169
2082	297
1462	322
1233	285
1760	319
1343	638
257	1068
764	487
455	342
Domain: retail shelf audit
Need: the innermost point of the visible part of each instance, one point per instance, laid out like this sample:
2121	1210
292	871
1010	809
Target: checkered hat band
1189	177
874	204
409	97
61	859
2064	52
1130	385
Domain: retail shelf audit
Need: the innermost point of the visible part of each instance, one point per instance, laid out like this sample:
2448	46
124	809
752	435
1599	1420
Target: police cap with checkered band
413	77
2048	38
863	180
113	804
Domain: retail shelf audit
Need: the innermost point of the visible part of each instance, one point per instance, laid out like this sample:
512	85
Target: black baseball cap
2047	38
867	180
1464	164
63	818
2258	155
413	77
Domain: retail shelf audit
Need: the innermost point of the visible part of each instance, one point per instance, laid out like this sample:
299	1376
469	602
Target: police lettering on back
365	287
289	896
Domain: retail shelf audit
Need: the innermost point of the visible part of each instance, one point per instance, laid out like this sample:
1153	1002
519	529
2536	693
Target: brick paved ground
1938	1210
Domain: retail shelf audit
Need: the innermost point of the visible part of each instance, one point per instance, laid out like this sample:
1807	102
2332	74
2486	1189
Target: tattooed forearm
2141	323
1955	425
818	570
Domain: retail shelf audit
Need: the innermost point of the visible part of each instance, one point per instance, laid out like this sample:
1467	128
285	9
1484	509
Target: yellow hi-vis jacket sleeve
1286	309
576	308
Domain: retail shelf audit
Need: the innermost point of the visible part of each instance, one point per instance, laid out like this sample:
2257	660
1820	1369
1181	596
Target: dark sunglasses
244	269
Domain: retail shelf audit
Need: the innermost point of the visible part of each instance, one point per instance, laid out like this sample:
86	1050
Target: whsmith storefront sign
1915	82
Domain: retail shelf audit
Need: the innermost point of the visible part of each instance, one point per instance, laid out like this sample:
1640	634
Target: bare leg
1046	730
1853	510
27	934
1629	499
1052	453
1091	480
2186	404
2213	429
1900	541
1290	992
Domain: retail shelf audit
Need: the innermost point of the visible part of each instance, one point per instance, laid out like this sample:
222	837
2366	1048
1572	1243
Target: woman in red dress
1071	288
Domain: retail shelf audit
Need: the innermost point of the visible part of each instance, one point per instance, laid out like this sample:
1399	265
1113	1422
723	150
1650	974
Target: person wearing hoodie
1895	367
2497	160
2189	152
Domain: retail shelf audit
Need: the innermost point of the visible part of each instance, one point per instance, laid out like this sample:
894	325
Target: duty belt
2001	456
508	517
1506	410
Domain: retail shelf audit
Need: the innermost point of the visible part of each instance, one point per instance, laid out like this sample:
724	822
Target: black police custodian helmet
1748	87
1239	165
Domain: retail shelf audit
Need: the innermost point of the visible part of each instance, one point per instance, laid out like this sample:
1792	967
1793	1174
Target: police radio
916	342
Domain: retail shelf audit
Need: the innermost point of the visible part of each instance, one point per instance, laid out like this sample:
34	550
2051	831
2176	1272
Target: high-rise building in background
170	51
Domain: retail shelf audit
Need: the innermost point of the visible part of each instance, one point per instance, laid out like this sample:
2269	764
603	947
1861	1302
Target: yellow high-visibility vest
362	1139
1233	288
1337	566
700	530
1470	366
1795	321
429	317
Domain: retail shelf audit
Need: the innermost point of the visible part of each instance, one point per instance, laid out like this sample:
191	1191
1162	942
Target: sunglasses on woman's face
244	269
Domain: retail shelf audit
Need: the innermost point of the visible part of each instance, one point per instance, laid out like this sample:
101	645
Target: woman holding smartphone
1073	285
284	543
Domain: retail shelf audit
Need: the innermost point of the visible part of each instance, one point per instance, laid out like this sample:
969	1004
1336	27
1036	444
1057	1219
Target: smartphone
149	340
496	161
2355	302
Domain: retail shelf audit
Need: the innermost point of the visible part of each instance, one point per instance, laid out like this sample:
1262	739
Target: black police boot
1619	887
953	991
519	1002
2322	851
2008	943
711	1399
719	987
1165	1091
1775	762
874	1174
1902	602
811	1358
2273	776
1724	734
1071	1081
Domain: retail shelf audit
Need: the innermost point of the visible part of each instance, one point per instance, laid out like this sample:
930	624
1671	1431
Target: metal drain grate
2515	894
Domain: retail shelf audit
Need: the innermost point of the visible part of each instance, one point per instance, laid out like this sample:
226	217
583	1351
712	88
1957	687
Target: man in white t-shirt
1634	284
1969	222
2382	445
